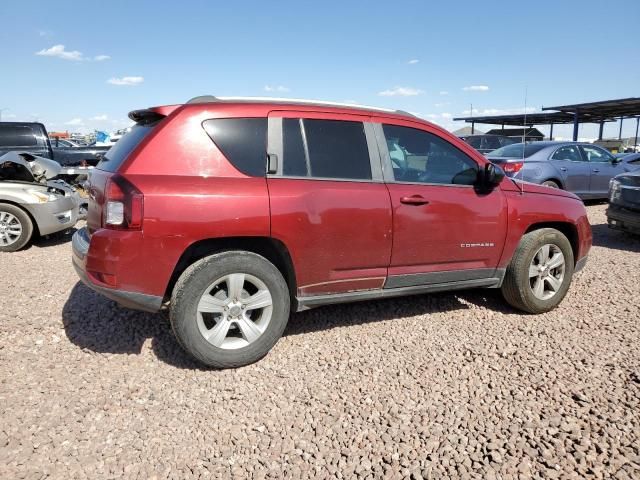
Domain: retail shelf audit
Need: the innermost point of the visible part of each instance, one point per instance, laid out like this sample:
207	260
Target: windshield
517	150
117	154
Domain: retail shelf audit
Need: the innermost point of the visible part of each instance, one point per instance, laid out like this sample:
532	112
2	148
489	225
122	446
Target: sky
83	65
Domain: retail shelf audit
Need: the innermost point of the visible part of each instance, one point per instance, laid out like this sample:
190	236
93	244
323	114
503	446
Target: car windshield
517	150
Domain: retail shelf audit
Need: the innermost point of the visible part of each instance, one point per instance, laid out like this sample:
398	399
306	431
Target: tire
552	184
519	286
208	285
12	220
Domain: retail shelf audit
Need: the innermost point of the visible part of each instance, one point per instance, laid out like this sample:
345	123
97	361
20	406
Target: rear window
17	136
517	150
243	141
117	154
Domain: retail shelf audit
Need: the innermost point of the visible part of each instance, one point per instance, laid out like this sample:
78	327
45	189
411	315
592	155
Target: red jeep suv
232	212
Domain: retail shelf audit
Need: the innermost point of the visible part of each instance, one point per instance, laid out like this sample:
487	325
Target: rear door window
243	141
117	154
335	149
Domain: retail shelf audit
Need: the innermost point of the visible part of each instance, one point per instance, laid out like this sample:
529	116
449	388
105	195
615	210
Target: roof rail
294	101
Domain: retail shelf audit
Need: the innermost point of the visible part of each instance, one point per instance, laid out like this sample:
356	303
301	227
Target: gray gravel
449	385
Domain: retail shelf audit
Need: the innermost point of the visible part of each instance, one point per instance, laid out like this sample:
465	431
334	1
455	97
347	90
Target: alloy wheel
546	271
10	229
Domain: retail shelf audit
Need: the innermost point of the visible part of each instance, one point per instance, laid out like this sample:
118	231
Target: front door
603	168
444	230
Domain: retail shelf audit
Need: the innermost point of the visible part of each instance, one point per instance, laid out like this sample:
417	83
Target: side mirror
616	160
491	177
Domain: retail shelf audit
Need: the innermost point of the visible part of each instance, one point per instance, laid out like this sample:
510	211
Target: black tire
516	287
195	280
25	223
551	183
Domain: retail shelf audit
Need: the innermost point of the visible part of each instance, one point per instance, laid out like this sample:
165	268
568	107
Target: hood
25	167
528	187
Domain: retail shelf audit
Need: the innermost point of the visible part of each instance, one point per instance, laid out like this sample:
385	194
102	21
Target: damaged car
31	203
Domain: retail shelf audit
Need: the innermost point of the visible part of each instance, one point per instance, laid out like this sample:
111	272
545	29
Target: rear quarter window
119	152
243	141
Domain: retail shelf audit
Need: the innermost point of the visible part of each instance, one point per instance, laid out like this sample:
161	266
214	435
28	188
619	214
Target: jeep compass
231	213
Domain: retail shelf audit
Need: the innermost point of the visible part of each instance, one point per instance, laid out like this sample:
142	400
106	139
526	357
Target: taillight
123	206
511	168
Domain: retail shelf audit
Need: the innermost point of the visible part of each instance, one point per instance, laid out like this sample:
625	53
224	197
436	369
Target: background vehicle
581	168
624	202
487	143
30	202
238	216
33	138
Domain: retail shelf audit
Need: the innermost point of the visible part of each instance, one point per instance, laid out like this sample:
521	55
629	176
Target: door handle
414	200
564	169
595	170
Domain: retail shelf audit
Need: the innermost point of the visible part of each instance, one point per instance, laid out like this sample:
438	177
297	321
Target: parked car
631	159
581	168
488	143
30	202
236	212
33	138
623	212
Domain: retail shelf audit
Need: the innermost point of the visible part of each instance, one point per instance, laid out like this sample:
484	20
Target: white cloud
276	88
413	61
476	88
441	104
129	81
100	118
444	92
400	92
75	122
101	58
59	52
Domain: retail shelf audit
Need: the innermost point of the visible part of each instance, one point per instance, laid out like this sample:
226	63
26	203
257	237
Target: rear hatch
106	173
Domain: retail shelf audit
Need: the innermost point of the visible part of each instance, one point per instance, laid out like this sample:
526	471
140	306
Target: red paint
342	236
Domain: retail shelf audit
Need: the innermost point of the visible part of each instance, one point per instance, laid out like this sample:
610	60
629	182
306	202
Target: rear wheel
16	228
230	309
551	183
540	271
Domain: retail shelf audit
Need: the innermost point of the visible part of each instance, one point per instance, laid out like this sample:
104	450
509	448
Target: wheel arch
36	229
568	229
270	248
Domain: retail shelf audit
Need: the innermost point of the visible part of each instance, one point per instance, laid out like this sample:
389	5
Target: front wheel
230	309
16	228
540	272
550	183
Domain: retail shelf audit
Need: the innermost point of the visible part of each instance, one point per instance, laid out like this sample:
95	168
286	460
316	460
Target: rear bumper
623	219
135	300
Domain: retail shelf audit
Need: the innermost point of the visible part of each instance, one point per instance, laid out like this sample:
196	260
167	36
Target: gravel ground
446	385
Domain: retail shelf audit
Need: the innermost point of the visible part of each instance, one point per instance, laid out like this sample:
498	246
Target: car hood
25	167
528	187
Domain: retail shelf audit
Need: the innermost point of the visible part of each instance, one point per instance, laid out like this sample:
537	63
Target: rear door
572	168
329	205
603	168
444	230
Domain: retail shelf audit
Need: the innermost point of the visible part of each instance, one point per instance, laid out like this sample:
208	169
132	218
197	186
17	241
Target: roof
606	109
466	131
520	119
292	101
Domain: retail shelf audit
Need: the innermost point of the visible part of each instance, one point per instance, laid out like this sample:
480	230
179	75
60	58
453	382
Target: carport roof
520	119
603	110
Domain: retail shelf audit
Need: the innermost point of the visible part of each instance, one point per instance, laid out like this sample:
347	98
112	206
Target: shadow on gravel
54	239
603	236
347	315
95	323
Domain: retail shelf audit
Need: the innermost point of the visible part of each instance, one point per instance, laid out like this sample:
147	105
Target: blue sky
432	58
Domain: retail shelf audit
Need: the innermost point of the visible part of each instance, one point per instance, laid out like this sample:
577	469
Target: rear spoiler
150	115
